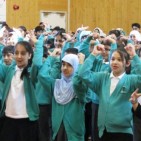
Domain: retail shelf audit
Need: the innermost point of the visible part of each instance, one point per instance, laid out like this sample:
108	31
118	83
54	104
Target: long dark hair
29	49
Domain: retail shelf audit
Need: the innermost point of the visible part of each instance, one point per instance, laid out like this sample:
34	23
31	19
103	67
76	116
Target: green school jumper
114	111
71	114
6	75
43	97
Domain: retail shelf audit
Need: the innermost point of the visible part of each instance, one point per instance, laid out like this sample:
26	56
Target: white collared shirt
114	81
16	103
105	62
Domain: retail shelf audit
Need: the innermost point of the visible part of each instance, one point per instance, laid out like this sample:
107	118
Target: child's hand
130	50
134	96
123	38
110	39
32	36
82	28
81	58
98	49
113	36
133	99
56	52
46	33
94	35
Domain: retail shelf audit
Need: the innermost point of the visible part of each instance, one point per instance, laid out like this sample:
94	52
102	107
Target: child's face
66	69
117	64
133	37
54	32
58	41
22	32
21	56
8	57
105	54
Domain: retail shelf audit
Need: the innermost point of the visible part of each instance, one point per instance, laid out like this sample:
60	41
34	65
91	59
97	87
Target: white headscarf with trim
63	90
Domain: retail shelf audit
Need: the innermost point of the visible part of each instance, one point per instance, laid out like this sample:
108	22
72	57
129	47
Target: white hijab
136	34
63	90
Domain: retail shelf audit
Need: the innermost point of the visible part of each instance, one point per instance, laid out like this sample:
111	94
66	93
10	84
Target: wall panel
107	14
29	11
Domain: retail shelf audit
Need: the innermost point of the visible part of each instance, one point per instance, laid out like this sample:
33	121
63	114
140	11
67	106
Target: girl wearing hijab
67	102
135	36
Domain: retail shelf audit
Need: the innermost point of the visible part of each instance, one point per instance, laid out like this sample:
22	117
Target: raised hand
56	52
130	50
98	49
81	58
110	39
32	36
134	97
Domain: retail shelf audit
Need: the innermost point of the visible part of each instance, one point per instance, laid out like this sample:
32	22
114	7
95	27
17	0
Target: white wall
54	18
2	10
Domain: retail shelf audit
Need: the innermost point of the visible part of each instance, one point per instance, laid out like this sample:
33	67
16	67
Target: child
42	95
135	100
136	106
59	40
114	90
19	104
67	103
8	54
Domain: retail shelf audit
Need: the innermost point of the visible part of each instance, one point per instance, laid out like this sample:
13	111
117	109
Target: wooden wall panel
29	11
107	14
56	5
27	14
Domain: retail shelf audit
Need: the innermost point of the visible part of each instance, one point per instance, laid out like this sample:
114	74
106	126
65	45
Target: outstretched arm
85	72
135	104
